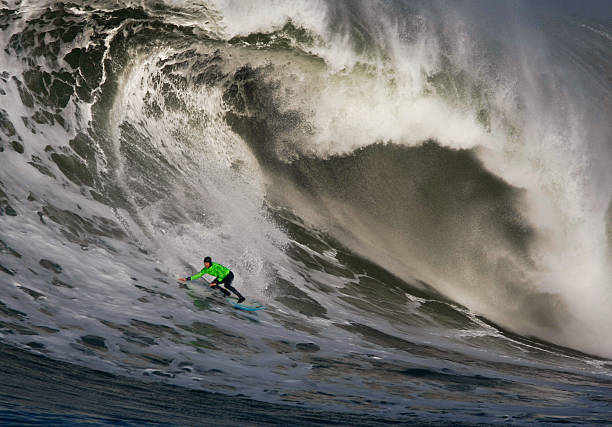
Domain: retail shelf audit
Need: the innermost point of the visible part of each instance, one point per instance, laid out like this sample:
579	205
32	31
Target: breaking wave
402	176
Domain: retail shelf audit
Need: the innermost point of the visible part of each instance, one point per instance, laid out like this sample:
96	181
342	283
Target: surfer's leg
227	282
231	288
223	291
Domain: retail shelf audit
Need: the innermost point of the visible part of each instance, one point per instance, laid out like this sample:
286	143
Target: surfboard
197	291
246	306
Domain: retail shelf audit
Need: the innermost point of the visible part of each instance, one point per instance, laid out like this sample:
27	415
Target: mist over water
403	185
414	75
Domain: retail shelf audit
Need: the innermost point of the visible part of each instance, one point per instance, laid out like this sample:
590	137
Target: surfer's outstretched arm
194	277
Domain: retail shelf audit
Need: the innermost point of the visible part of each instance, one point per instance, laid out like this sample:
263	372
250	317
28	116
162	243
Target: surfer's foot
240	300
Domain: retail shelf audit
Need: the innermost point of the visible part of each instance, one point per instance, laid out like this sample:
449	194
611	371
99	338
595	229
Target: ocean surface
418	192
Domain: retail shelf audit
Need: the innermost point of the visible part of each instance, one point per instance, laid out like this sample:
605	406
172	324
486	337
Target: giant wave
413	194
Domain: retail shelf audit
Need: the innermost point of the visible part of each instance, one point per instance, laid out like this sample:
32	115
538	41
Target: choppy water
418	194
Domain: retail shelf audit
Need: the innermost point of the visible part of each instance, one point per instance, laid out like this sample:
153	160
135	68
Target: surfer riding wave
223	276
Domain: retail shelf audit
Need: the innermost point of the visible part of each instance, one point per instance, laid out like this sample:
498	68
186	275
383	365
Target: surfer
223	276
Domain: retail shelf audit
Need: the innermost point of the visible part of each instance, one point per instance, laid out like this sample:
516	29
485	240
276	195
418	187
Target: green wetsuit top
215	269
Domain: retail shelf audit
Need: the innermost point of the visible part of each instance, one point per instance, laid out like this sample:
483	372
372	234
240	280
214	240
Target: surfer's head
207	262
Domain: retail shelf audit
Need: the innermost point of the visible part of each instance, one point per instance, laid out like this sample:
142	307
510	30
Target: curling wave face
407	193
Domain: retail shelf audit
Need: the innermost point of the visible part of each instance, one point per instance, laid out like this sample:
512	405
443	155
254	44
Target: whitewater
420	193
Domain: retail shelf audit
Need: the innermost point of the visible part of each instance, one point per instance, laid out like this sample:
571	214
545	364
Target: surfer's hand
182	279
